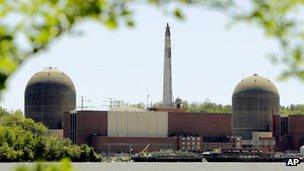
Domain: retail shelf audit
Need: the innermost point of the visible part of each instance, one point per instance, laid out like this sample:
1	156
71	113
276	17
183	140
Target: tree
30	26
22	139
281	20
64	165
211	107
207	106
293	109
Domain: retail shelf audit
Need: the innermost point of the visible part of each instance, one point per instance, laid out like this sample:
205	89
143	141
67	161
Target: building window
193	143
183	143
188	143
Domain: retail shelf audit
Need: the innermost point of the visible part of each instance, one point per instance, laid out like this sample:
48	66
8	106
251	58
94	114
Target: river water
168	166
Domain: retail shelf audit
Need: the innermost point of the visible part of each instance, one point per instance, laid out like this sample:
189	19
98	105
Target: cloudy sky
208	60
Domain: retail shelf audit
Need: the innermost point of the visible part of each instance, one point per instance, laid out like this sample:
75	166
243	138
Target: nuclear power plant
48	94
255	123
256	99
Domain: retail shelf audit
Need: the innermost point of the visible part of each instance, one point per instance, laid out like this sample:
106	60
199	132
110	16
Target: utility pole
111	102
148	98
81	107
82	100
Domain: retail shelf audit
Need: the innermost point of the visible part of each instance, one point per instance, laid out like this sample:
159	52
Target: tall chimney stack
167	82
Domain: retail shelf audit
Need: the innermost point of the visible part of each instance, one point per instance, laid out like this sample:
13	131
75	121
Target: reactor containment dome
255	99
47	95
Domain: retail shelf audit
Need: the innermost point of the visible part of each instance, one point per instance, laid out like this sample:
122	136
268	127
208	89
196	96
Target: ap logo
293	162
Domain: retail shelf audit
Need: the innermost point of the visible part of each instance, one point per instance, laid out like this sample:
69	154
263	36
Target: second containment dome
255	99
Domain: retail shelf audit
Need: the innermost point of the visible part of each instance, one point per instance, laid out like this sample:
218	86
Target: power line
82	100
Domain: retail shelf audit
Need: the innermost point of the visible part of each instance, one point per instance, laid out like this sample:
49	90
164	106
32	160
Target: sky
208	60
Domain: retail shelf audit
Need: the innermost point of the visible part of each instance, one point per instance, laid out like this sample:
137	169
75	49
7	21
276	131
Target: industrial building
107	132
122	131
255	99
255	123
47	94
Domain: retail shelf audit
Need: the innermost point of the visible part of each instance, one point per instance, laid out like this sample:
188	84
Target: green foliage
207	106
211	107
64	165
281	20
293	109
30	26
3	112
24	140
123	104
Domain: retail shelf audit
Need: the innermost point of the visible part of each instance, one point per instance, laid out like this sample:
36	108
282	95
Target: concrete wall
252	111
199	124
259	135
137	124
88	123
276	127
133	144
296	131
209	146
137	144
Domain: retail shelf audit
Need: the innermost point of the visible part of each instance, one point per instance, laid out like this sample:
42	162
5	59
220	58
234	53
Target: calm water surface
169	166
